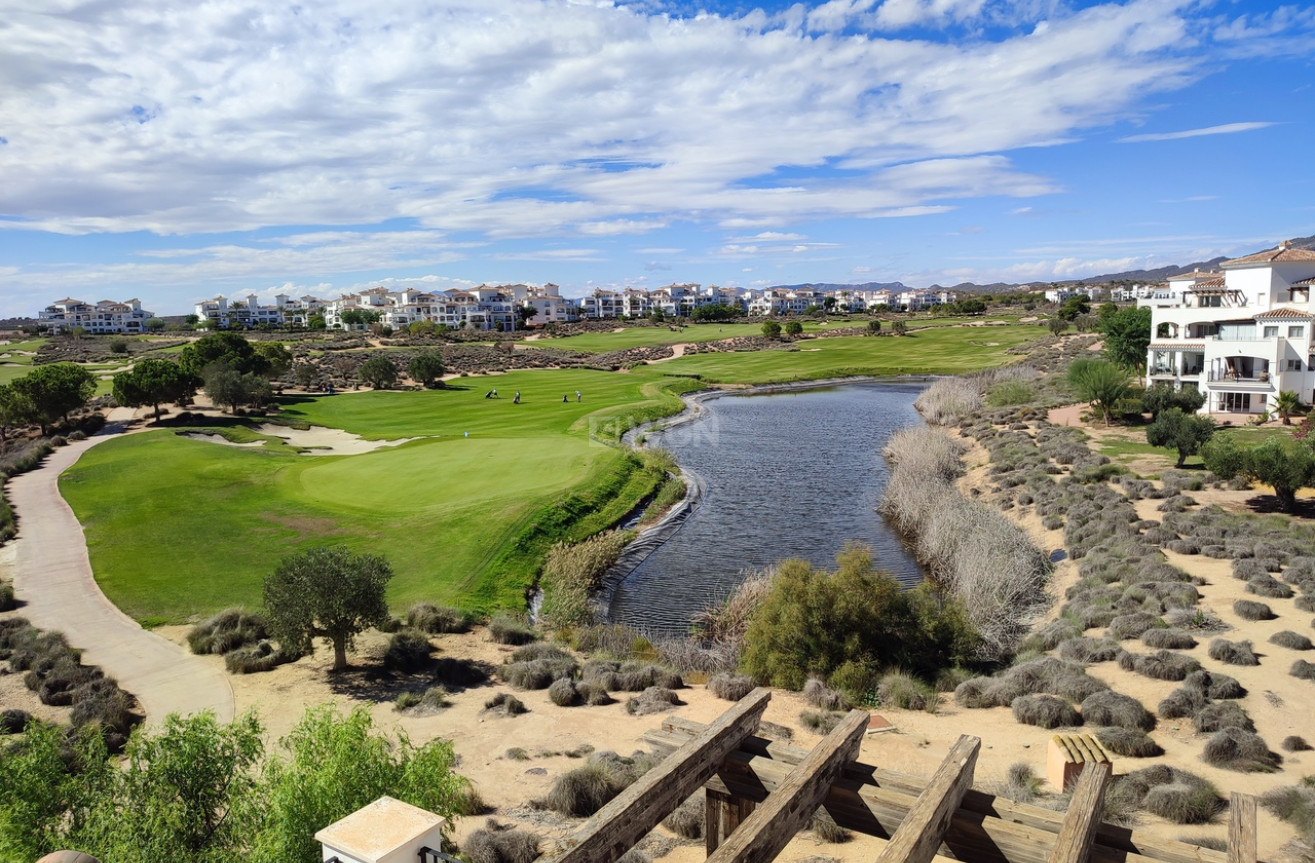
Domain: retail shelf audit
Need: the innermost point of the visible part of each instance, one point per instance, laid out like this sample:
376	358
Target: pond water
790	474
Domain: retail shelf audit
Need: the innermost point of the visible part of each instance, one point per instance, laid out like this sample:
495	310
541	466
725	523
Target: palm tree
1286	404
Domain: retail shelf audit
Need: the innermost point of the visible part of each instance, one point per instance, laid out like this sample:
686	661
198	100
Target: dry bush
821	721
505	704
1220	715
1212	685
499	843
1269	587
948	400
1295	743
823	697
698	656
538	673
687	819
407	651
728	622
655	699
437	619
1175	795
1250	610
572	573
1132	625
1053	634
1045	711
825	828
459	673
1160	665
1021	784
1115	709
1089	650
1232	652
563	693
257	658
228	630
1170	638
1303	670
583	791
1296	805
1249	568
1181	703
731	687
508	630
1129	742
1291	640
1195	620
1243	751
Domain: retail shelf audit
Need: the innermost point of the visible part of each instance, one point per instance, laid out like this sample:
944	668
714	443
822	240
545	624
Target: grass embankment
464	520
18	361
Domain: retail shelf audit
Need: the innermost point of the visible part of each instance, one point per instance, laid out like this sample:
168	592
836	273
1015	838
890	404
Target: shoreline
651	538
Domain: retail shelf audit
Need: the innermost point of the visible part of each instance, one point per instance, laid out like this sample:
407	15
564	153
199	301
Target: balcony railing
1232	377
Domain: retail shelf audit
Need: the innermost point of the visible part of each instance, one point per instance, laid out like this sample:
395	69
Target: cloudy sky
172	151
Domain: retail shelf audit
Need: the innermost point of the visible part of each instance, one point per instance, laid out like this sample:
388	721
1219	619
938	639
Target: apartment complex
1241	335
101	318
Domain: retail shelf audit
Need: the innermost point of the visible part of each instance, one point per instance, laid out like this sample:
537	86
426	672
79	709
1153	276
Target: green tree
1128	336
421	328
223	348
44	804
1056	326
334	765
812	310
1286	404
278	357
226	386
1161	397
155	325
1074	306
305	374
425	367
715	312
359	318
152	382
316	321
1102	384
771	329
874	327
899	328
329	593
16	410
1105	310
793	328
1185	432
54	391
378	371
1287	466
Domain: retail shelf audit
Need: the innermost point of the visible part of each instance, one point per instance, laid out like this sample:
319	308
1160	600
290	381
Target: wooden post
786	810
616	827
923	829
1078	832
722	814
1241	828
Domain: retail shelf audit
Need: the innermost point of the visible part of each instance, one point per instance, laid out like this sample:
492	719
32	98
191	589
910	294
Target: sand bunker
218	438
320	440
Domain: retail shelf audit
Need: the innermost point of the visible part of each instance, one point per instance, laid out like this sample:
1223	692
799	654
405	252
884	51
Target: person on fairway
578	396
563	398
517	399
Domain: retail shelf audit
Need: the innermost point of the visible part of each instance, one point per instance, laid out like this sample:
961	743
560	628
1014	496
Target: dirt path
53	579
677	351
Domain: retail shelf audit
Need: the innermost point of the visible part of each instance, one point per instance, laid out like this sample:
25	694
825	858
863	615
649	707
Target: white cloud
1225	129
521	118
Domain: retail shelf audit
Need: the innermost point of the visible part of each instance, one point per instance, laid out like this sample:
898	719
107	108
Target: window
1271	332
1295	332
1292	365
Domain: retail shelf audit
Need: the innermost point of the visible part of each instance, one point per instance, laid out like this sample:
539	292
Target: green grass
636	337
19	361
178	528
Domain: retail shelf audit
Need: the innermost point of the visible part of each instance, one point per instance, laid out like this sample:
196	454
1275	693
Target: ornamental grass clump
1045	711
1220	715
1168	638
901	691
655	699
1233	652
257	658
1302	670
228	630
501	843
437	619
1214	685
688	818
408	650
584	790
1240	750
505	704
821	721
1129	742
1090	650
1269	587
1294	804
1250	610
538	669
823	697
508	630
1160	665
731	687
1173	794
1118	710
1127	626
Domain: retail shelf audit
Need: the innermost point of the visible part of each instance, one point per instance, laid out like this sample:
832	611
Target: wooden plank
923	829
616	827
722	814
787	809
1078	833
1241	828
1111	837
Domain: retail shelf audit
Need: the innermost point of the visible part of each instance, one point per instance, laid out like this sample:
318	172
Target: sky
175	151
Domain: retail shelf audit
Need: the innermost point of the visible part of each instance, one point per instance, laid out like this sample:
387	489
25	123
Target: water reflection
786	475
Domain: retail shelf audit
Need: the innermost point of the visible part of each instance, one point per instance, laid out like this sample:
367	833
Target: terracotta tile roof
1212	282
1304	283
1177	346
1284	314
1283	254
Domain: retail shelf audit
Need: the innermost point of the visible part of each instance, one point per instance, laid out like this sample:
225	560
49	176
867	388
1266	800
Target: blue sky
175	151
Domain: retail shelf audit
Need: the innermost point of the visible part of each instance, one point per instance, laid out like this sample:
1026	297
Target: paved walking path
52	576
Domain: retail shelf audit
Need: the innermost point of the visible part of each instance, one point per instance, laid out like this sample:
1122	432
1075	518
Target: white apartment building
250	313
1242	336
101	318
482	308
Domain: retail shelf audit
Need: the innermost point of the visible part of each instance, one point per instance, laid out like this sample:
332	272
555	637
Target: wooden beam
923	829
616	827
976	804
787	809
722	814
1241	828
1078	833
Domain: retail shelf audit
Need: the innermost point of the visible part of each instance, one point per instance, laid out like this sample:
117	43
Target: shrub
1129	742
571	573
1195	619
1088	650
7	600
538	673
1303	670
1045	711
1291	640
516	753
1269	587
406	701
824	697
821	721
1127	626
507	630
1250	610
1021	782
1295	805
901	691
435	697
1173	639
506	704
1212	685
435	619
825	828
655	699
1220	715
563	693
13	721
1163	665
257	658
407	651
1232	652
1181	703
1184	802
584	790
228	630
498	843
1243	751
458	673
1113	708
731	687
687	819
1295	743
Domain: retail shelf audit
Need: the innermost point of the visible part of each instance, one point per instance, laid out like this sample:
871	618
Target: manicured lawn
635	337
19	359
948	350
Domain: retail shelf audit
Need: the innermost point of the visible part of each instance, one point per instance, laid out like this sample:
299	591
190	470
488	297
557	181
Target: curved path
52	577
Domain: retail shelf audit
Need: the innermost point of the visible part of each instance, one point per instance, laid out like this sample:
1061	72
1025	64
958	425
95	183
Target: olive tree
1185	432
329	593
151	383
378	372
425	367
771	329
54	391
1288	466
